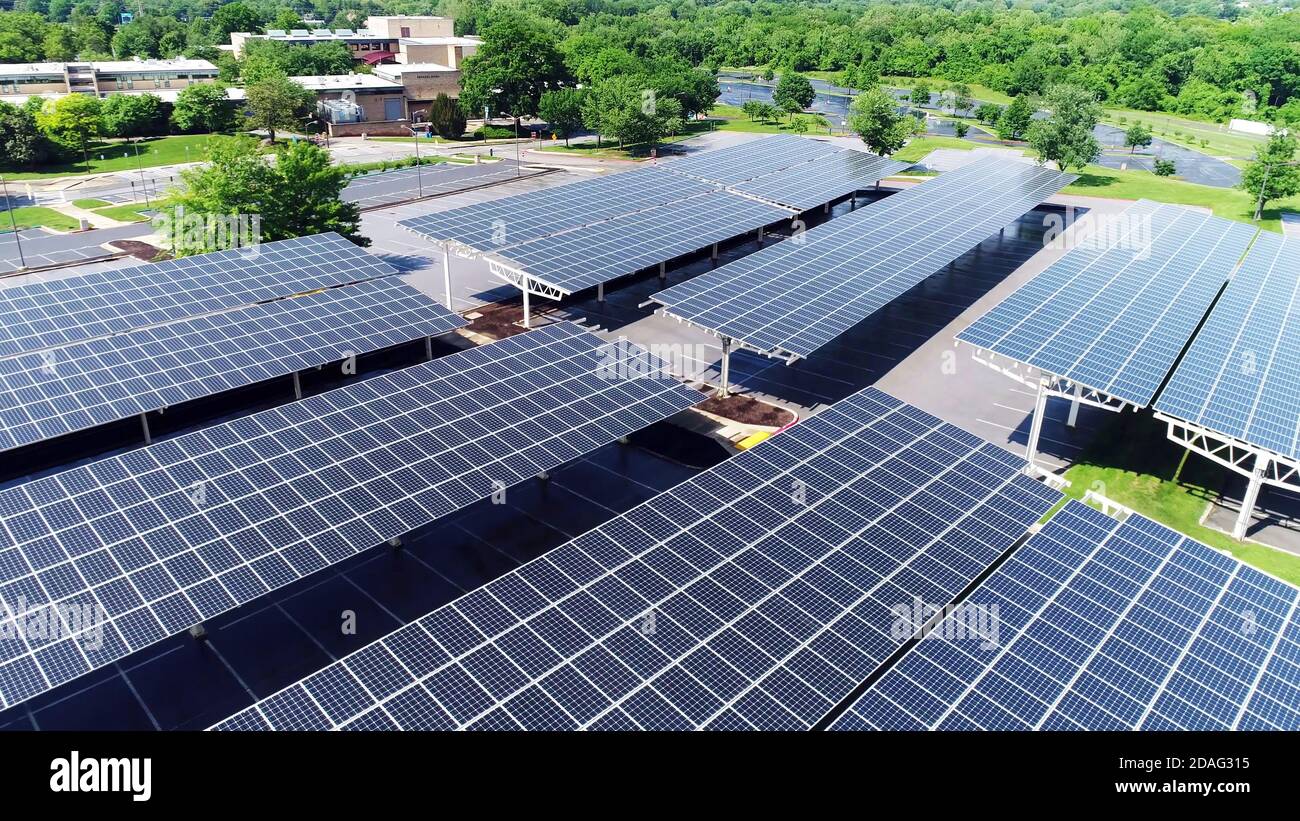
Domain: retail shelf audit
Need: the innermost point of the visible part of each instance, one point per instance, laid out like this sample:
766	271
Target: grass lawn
91	203
124	213
120	156
36	216
1131	462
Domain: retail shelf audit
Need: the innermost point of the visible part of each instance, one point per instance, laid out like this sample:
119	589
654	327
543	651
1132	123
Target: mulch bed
747	410
142	251
500	321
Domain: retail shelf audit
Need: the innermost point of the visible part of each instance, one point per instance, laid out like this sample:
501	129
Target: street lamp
4	187
419	173
140	167
514	117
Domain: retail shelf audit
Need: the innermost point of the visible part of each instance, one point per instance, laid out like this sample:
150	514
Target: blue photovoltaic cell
1116	311
1241	376
60	390
751	159
58	311
822	180
757	594
163	537
587	256
795	296
1103	626
404	184
509	221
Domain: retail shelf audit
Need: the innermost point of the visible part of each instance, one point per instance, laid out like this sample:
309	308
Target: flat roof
440	41
107	66
339	82
403	68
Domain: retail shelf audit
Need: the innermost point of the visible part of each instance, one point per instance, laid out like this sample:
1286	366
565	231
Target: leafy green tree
1066	136
768	112
874	117
988	113
236	16
960	129
21	143
518	62
60	45
794	93
1015	119
752	108
1273	173
1164	168
133	115
203	108
799	125
1137	136
920	94
277	103
72	123
959	98
562	111
447	117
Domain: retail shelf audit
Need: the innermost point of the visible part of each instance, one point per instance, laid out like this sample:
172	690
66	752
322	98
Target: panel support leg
725	390
760	238
663	270
428	349
853	202
1036	427
826	208
527	319
1074	406
713	255
446	276
600	292
1242	524
297	386
198	632
144	427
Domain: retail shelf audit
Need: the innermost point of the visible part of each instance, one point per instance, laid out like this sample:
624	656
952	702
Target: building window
406	31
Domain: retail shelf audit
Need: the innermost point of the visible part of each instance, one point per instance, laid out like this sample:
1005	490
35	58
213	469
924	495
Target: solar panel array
821	180
587	256
1241	376
755	158
1116	311
756	594
390	187
1104	626
161	538
795	296
55	312
509	221
61	390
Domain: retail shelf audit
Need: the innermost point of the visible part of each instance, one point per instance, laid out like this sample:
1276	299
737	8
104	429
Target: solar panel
755	158
756	594
509	221
795	296
1241	376
61	390
1116	311
587	256
1105	626
146	544
58	311
400	185
822	180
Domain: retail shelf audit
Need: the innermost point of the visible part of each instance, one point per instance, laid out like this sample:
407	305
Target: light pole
140	167
22	262
419	173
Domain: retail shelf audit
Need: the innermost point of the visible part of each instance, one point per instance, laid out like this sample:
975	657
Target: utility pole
419	172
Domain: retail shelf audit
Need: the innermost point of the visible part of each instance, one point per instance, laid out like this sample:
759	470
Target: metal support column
853	202
428	348
760	238
600	292
144	427
1036	426
1252	495
527	321
713	255
663	270
446	276
725	390
297	386
826	209
1074	405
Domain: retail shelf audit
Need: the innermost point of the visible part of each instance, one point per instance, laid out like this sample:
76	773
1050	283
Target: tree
959	97
203	108
1164	168
988	113
297	196
920	94
1137	136
960	129
799	125
1014	120
1066	137
132	115
60	45
752	108
874	117
1272	174
447	117
72	123
562	111
277	102
21	144
793	93
518	61
234	17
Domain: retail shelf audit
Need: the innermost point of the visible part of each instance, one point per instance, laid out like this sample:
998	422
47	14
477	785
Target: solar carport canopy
793	297
58	311
509	221
748	160
585	257
163	537
821	180
1241	376
732	601
1103	625
1116	311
